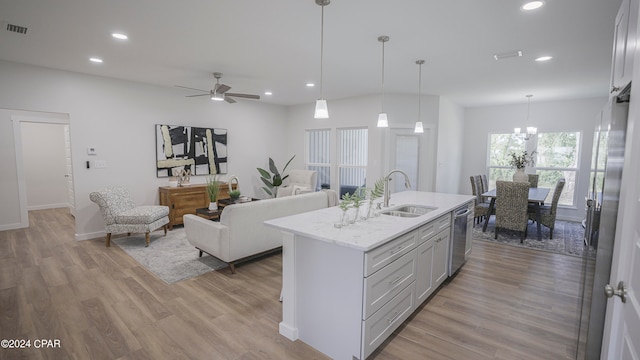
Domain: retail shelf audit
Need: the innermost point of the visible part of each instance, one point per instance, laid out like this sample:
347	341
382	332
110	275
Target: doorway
43	162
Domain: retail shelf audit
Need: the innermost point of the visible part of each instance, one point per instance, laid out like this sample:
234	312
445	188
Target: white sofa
241	233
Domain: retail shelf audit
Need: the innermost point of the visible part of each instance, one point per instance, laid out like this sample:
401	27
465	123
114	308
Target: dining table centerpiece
520	161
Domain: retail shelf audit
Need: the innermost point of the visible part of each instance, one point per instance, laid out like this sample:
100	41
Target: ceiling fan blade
198	95
184	87
221	88
246	96
229	100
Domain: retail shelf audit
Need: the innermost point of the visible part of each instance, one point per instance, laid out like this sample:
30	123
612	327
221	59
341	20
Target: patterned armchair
512	199
121	214
481	208
548	212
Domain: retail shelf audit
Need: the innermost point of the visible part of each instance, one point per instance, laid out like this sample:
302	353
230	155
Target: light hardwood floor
505	303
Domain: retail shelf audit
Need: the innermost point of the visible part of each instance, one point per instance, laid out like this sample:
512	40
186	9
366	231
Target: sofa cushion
142	214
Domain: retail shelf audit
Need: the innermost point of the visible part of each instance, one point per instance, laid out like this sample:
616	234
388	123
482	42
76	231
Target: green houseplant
213	190
234	194
273	179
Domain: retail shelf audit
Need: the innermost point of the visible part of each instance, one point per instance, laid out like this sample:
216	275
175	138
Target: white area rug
170	258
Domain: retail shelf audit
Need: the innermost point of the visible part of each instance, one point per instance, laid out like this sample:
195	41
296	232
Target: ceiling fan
219	91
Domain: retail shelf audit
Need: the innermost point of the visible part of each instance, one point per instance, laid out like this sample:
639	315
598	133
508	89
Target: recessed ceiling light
95	60
532	5
544	58
120	36
311	84
268	93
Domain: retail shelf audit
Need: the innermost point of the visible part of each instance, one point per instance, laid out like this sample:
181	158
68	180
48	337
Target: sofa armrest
208	236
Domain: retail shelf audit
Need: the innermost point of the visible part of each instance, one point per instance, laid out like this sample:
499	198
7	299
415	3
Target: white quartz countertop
369	234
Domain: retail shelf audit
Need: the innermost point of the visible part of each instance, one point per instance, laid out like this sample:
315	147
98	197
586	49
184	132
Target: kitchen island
346	289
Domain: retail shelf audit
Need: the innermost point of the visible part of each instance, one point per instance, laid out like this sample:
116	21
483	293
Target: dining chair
533	180
511	207
481	208
548	212
485	186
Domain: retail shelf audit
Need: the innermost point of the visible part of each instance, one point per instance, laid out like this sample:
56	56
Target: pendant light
419	129
531	130
382	117
322	111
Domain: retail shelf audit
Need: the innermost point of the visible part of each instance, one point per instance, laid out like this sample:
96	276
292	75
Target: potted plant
213	190
519	162
273	179
234	194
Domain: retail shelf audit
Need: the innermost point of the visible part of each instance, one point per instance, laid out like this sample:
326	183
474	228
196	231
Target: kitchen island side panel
329	288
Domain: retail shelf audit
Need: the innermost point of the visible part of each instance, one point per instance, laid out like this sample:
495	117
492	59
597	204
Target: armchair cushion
305	180
142	215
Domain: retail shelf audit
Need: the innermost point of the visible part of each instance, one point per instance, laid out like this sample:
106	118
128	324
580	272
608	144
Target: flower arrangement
520	161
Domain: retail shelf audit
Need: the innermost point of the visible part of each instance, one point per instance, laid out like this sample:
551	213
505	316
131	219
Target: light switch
99	164
91	151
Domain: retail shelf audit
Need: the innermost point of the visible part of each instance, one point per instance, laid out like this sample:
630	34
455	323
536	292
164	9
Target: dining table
537	196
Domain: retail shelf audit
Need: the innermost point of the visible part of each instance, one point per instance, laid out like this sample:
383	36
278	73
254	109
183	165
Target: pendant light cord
419	88
321	49
382	104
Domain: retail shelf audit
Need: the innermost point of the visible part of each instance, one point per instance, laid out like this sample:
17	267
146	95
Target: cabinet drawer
381	324
383	285
379	257
433	227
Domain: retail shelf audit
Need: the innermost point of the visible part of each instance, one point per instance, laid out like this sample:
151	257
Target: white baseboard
47	206
89	236
13	226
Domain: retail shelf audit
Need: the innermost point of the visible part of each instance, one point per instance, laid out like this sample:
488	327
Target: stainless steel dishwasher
458	244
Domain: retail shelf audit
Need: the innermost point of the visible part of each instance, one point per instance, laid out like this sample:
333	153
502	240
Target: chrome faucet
387	195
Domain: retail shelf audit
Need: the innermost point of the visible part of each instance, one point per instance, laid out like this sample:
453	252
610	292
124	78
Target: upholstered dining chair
533	180
548	212
121	214
481	208
512	199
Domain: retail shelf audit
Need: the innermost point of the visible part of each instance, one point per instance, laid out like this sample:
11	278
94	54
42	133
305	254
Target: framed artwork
198	151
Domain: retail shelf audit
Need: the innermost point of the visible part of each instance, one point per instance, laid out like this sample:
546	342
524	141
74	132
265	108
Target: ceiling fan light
382	120
322	111
419	129
217	97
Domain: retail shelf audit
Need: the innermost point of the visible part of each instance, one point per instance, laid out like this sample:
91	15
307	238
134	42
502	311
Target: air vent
16	28
507	55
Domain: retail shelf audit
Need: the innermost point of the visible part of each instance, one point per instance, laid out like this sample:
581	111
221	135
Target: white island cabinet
346	290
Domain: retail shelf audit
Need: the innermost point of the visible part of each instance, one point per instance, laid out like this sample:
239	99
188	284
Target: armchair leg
165	230
147	238
108	241
232	267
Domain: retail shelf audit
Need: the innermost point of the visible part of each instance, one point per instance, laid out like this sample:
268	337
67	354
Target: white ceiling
275	45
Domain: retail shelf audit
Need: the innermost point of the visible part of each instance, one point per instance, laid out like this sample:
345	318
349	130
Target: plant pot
213	205
520	176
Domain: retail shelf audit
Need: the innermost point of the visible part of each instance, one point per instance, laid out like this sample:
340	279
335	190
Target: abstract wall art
199	151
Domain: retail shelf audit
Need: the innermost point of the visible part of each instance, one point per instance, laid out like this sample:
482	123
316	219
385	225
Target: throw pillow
297	189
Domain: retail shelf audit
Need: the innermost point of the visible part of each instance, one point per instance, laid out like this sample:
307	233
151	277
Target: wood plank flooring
505	303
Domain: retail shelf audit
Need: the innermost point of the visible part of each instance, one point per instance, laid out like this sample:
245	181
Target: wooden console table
186	199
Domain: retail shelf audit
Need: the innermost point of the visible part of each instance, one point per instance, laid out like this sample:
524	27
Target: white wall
44	161
118	118
402	111
450	146
570	115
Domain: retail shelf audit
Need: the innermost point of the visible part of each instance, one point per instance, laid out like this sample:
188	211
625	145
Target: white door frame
17	119
427	158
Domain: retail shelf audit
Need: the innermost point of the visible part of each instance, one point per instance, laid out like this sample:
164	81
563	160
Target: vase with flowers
519	161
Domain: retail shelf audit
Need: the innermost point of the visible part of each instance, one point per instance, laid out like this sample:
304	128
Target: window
557	156
352	159
318	155
500	146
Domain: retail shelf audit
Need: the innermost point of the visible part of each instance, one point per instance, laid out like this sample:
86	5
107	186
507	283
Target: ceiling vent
15	28
507	55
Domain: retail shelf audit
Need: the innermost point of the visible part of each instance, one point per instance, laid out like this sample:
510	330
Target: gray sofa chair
121	214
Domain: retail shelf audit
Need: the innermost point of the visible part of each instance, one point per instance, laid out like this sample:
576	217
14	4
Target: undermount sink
408	210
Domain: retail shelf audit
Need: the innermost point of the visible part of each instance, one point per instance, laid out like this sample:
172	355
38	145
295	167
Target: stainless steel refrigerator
600	223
